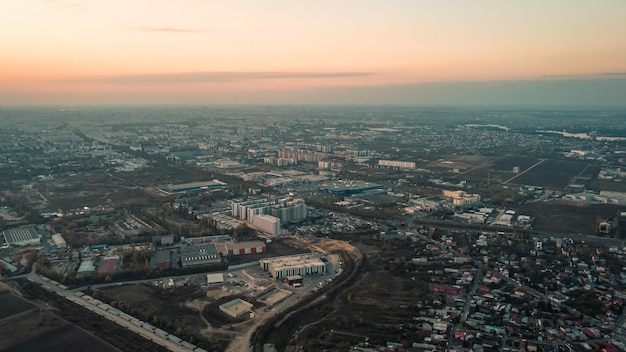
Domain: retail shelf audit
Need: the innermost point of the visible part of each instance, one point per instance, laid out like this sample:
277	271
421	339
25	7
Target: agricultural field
12	305
508	162
65	337
27	328
551	173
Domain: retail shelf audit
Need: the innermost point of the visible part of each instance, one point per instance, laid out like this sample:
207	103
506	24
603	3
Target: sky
408	52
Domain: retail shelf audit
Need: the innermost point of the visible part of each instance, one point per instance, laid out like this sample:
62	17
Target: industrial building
299	264
241	248
236	308
200	254
267	223
194	187
87	266
21	236
59	241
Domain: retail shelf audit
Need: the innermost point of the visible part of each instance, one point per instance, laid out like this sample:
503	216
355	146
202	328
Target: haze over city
544	54
336	176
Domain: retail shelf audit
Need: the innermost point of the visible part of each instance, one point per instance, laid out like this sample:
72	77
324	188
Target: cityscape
312	176
313	228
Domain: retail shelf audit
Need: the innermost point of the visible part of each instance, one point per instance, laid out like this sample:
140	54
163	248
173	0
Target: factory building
241	248
267	223
300	264
21	236
200	254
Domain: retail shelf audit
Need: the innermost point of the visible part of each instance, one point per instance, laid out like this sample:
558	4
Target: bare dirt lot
567	216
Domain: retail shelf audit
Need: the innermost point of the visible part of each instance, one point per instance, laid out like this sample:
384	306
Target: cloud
170	30
207	77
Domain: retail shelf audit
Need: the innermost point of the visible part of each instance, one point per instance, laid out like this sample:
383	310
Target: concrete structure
201	254
289	210
300	264
236	308
244	209
275	296
267	223
214	278
59	241
21	236
194	187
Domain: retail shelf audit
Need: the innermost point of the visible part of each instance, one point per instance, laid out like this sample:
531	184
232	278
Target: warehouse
201	254
59	241
21	236
300	264
241	248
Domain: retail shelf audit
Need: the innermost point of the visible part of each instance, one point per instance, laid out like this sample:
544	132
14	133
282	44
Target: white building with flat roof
299	264
59	241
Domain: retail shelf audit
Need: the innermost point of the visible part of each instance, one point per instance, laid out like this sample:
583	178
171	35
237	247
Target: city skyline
75	52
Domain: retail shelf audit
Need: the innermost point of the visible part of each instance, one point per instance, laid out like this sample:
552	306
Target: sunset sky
93	52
